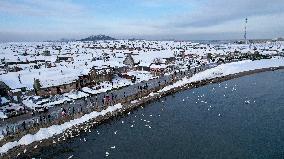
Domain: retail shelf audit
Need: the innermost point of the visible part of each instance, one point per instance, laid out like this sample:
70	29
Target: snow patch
45	133
227	69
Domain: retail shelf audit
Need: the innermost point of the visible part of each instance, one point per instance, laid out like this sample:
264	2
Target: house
3	89
46	53
169	60
91	78
64	58
101	74
125	75
129	61
54	90
158	69
182	53
119	70
16	94
219	60
143	67
14	69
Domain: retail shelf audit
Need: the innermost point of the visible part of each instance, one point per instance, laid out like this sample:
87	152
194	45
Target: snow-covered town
38	75
43	82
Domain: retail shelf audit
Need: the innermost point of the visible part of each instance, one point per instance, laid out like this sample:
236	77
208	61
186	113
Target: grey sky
32	20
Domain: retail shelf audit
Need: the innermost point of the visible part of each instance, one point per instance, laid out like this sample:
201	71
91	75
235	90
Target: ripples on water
240	118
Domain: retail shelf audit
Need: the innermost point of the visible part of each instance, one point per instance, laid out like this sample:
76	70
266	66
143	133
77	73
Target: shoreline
108	117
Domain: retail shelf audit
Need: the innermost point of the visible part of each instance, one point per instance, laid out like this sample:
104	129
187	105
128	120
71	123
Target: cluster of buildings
47	69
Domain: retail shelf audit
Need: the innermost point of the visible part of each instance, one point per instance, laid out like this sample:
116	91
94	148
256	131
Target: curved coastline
82	128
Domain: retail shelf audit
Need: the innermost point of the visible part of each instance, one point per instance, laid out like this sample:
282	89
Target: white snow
155	66
45	133
48	102
134	101
107	86
141	75
4	100
57	102
227	69
236	67
2	115
76	95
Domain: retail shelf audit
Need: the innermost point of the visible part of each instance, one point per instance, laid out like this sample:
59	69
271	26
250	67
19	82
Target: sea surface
241	118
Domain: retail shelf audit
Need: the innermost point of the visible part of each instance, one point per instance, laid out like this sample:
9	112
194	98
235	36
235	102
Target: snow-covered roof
158	66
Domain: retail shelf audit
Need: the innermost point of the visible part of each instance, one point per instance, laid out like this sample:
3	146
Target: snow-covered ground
227	69
76	95
236	67
45	133
4	100
141	75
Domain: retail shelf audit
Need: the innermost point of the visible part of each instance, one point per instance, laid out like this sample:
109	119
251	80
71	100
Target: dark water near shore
240	118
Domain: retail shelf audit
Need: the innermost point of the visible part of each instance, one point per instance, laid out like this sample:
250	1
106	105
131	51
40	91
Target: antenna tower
245	36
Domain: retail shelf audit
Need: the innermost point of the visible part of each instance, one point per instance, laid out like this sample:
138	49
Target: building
95	76
129	61
64	58
3	89
158	69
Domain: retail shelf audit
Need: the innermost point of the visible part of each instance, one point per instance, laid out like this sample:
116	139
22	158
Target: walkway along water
17	127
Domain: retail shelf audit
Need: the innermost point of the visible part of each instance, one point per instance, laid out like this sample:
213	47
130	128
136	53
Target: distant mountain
66	40
134	39
97	37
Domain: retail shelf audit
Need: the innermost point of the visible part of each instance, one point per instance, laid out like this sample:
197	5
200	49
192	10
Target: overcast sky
33	20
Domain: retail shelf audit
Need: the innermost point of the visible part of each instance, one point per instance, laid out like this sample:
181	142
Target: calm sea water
240	118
